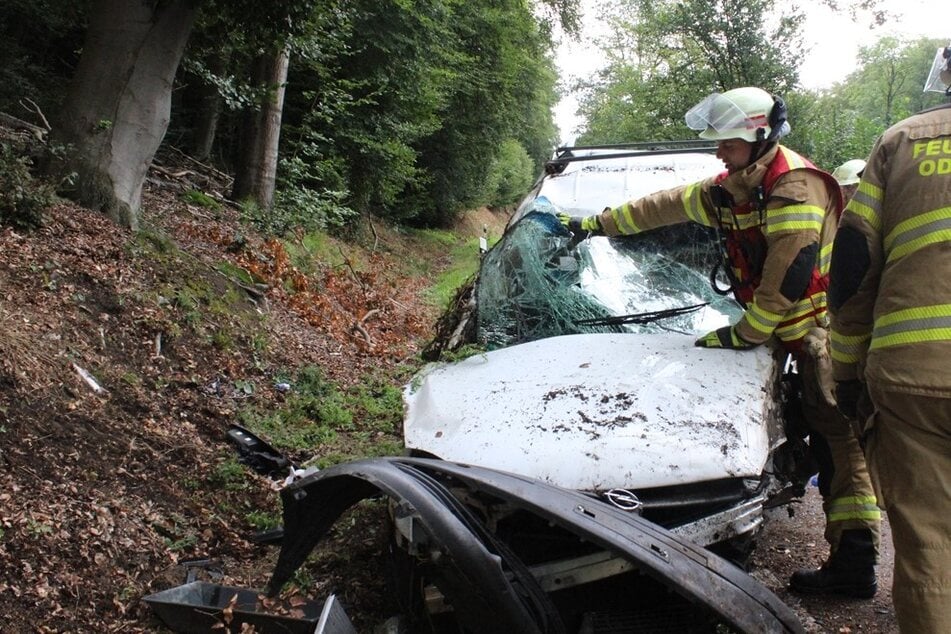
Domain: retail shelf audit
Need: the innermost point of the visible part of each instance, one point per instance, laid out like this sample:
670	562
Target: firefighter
776	214
891	341
847	176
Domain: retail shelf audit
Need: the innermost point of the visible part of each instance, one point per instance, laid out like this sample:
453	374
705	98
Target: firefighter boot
849	571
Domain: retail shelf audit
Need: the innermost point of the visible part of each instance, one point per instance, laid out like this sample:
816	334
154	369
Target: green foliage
444	290
465	258
377	402
201	199
302	203
510	175
311	415
843	122
22	198
229	475
672	54
263	520
236	273
318	416
501	77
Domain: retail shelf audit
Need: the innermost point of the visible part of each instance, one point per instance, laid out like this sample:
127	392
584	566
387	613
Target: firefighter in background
890	298
847	176
776	214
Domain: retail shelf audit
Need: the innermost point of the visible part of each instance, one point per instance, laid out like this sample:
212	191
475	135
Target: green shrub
22	198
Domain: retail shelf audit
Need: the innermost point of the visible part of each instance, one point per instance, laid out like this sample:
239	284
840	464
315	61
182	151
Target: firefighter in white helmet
776	214
848	176
890	297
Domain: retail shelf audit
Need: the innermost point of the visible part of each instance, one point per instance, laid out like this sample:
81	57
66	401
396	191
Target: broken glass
540	281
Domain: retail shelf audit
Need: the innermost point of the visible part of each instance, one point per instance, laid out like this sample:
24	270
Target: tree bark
118	106
209	111
257	170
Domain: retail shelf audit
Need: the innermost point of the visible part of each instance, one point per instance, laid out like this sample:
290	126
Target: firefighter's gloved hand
581	226
725	337
847	394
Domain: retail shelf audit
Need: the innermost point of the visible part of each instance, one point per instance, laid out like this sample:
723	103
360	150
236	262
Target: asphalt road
789	543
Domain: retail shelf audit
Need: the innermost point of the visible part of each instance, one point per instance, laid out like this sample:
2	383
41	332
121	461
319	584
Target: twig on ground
90	380
35	109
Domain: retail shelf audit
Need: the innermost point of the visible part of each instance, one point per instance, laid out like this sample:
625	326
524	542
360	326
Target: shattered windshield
536	282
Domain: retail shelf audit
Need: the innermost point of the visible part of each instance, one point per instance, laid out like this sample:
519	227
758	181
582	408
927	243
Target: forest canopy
329	112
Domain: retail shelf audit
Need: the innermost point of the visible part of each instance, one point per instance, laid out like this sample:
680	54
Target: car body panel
599	411
490	590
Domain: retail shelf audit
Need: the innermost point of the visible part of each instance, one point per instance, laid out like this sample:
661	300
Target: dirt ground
787	544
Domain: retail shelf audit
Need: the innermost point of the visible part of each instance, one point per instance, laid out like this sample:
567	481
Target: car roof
586	179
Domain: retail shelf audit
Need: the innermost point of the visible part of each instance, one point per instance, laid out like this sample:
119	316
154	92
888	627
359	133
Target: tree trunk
209	111
257	170
118	106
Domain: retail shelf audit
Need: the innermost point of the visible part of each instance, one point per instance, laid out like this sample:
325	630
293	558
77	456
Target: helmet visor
720	114
940	76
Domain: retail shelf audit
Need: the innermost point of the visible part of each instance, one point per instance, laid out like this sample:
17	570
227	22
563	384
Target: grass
340	425
464	263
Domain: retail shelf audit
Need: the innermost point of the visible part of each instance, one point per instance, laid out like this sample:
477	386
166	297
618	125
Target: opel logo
623	499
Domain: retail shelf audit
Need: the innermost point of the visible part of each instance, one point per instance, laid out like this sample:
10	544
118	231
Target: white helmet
849	173
939	79
739	114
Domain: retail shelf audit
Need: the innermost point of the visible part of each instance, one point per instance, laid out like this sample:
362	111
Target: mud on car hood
490	589
601	411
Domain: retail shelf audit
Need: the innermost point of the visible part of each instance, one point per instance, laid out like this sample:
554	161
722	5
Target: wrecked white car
590	379
580	473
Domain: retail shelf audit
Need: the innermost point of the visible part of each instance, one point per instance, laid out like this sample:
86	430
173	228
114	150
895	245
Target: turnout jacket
891	272
779	218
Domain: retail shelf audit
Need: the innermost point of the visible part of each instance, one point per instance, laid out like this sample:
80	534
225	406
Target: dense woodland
324	112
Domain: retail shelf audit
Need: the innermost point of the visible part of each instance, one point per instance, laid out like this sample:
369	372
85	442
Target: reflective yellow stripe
867	204
804	314
693	205
853	500
825	259
795	218
855	515
856	507
798	330
792	325
816	301
848	349
624	219
912	325
762	320
793	160
917	232
740	222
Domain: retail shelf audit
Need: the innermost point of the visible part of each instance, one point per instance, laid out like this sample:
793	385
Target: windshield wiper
641	318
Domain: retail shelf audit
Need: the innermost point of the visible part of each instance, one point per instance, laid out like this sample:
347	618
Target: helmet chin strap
761	146
764	143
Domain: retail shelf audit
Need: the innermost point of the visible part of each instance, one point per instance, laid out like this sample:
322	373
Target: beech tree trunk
209	105
118	106
257	169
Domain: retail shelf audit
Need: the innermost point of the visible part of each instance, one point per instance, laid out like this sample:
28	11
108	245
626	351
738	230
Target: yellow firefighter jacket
797	228
891	272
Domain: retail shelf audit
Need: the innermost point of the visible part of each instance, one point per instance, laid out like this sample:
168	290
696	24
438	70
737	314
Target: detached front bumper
489	588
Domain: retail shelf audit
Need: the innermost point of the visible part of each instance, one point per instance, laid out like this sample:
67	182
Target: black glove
847	394
724	337
581	226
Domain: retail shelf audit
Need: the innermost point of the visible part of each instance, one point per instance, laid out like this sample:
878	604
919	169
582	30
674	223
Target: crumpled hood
600	411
